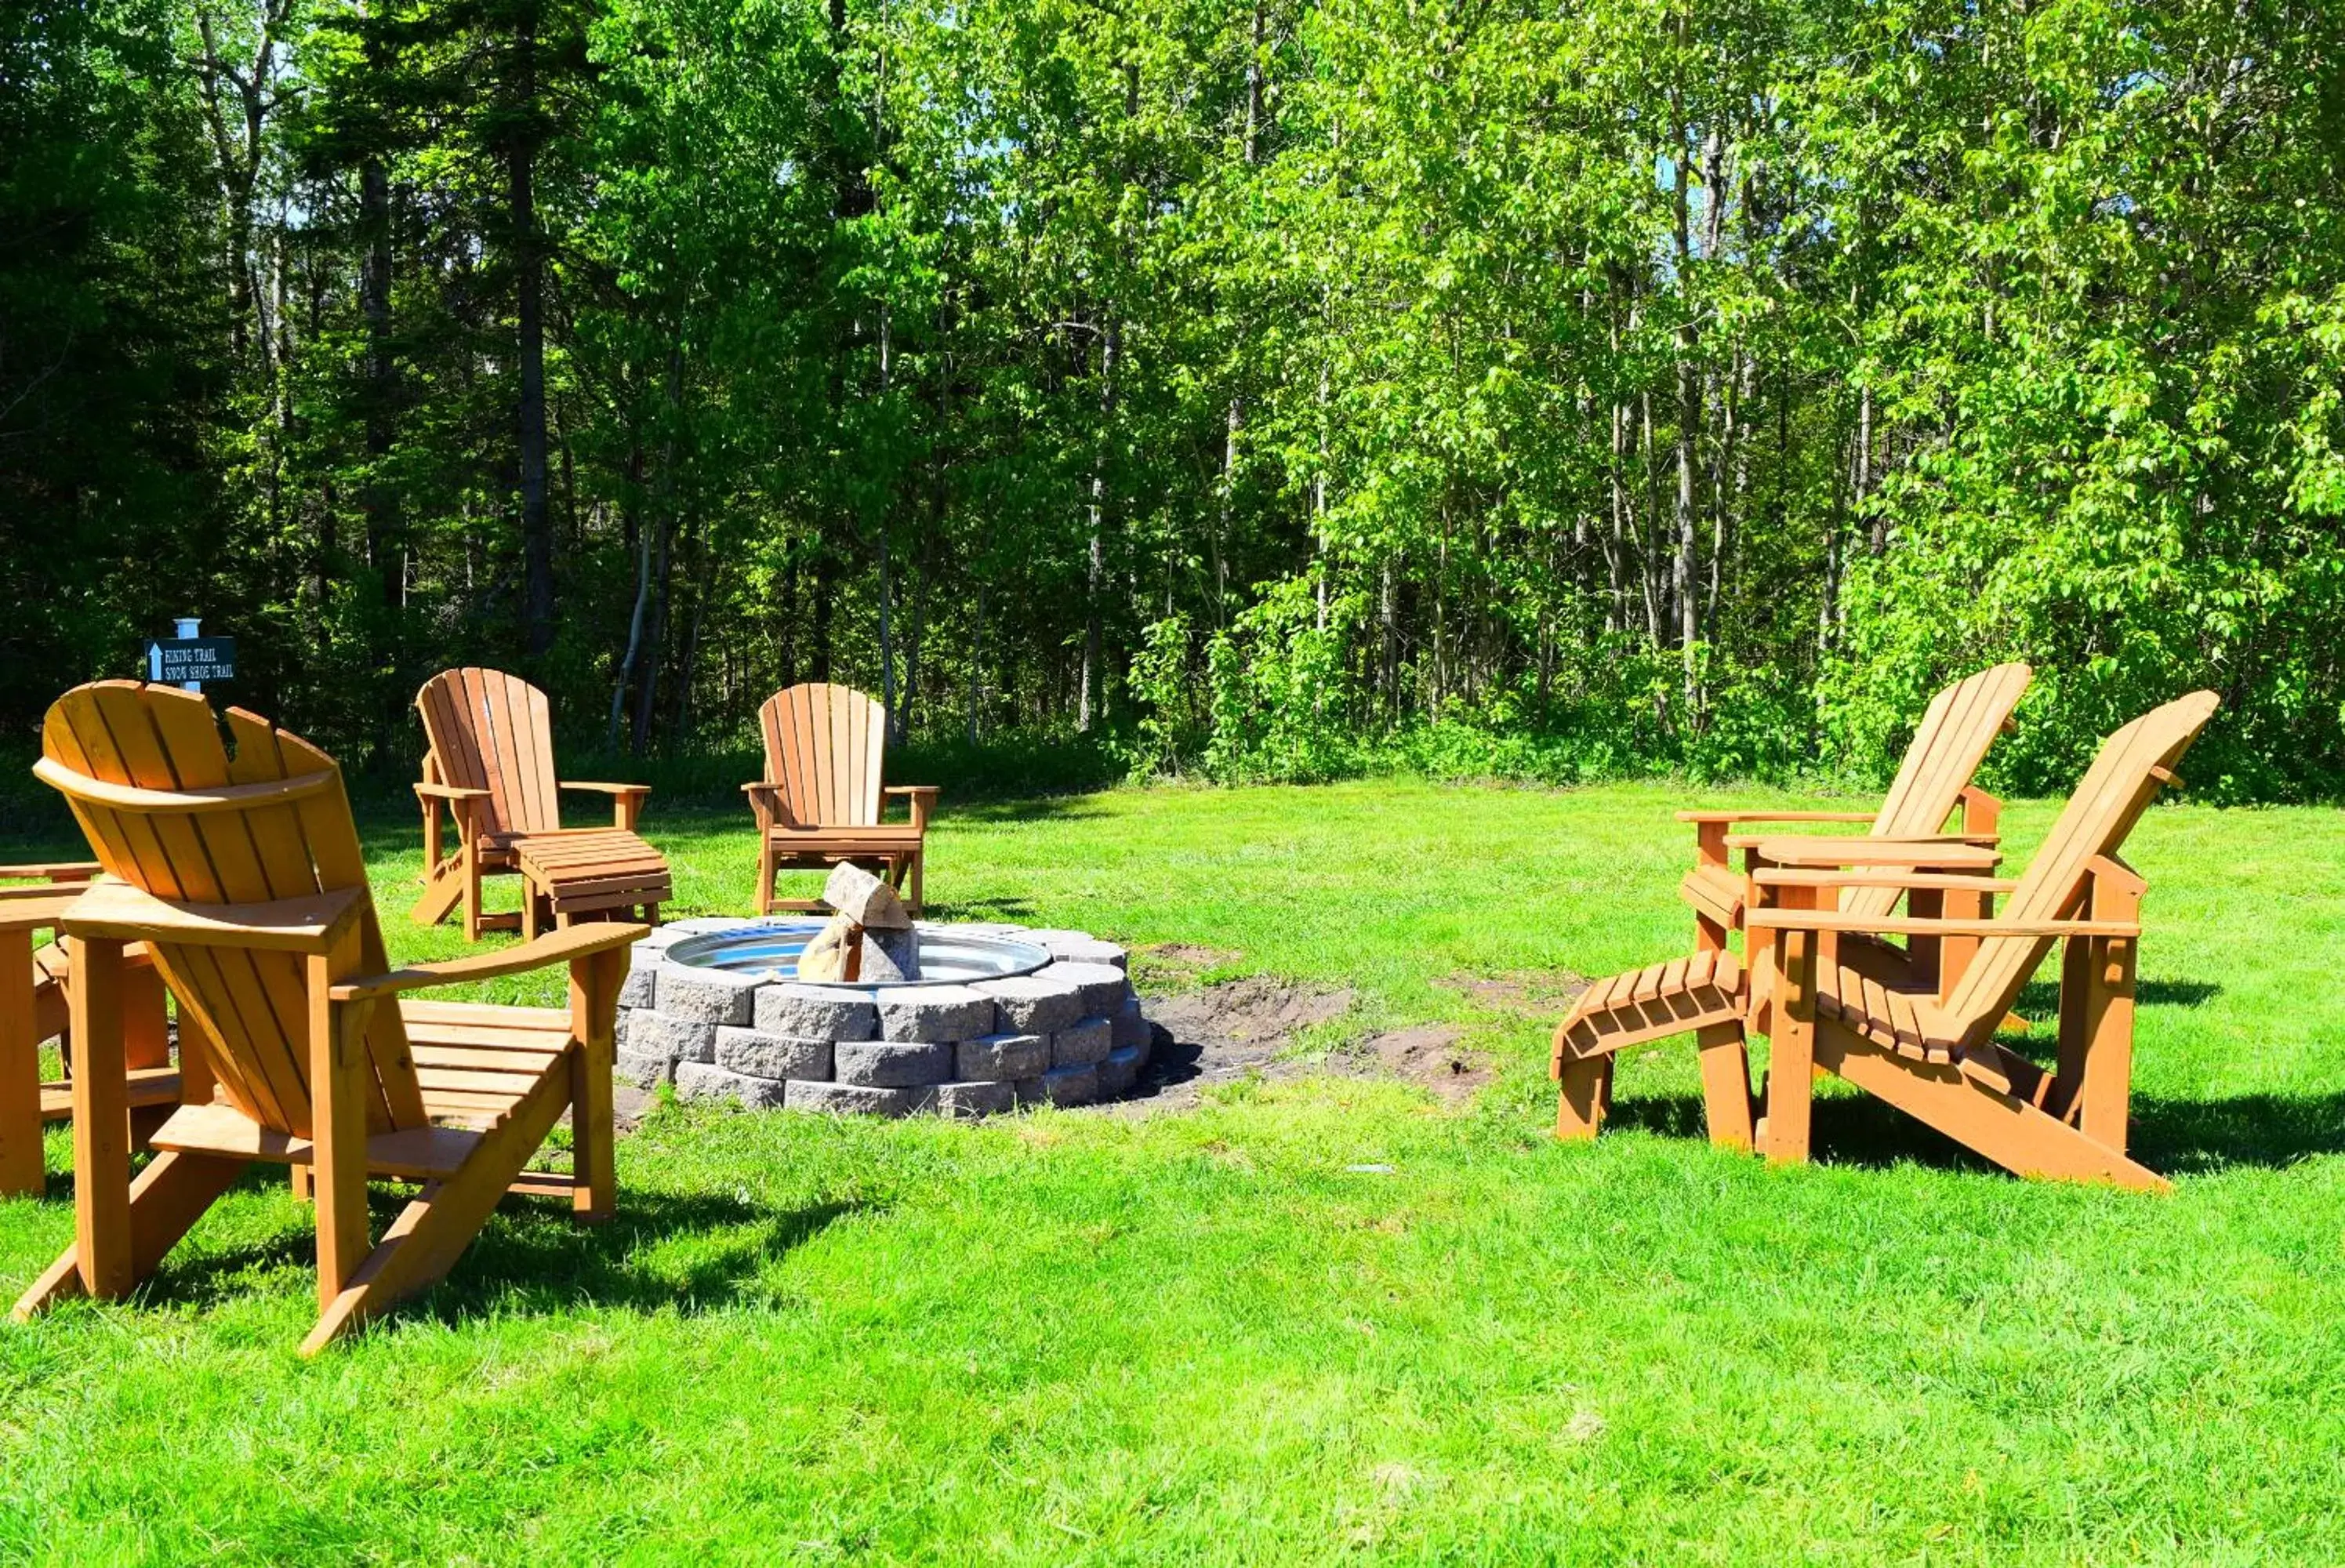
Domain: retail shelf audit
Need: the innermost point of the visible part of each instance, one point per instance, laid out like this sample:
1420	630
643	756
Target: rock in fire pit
999	1017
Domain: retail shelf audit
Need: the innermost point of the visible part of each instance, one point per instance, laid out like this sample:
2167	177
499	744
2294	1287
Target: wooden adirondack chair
1931	1051
819	801
1716	995
243	877
33	990
491	766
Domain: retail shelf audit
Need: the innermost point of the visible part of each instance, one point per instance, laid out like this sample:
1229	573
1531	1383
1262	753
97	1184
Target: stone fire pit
1001	1017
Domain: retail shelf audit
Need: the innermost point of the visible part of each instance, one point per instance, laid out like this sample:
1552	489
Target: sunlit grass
1200	1338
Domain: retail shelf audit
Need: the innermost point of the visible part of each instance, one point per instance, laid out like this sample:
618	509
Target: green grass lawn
1199	1336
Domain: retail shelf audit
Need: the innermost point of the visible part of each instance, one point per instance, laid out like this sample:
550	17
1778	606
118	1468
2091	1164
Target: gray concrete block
815	1012
765	1056
1101	986
699	1080
676	1039
891	1063
1071	1086
934	1012
993	1057
638	989
1034	1004
1027	1091
975	1099
706	996
1121	1071
1085	1044
1131	1027
1080	948
643	1072
855	1100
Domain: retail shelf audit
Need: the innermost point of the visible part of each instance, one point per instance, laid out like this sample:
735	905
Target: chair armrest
922	799
554	947
1911	926
626	799
309	924
429	791
51	871
1735	816
1920	881
1814	850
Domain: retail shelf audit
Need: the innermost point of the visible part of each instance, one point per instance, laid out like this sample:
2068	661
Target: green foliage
1284	389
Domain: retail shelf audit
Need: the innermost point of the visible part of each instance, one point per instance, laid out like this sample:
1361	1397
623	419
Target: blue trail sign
186	661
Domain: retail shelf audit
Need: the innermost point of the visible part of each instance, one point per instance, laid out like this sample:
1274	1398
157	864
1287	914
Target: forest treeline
1265	388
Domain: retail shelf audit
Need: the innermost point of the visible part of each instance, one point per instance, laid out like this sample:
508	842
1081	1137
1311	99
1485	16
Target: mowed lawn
1205	1338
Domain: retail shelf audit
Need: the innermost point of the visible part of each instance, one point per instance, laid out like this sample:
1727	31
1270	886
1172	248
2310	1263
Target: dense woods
1266	388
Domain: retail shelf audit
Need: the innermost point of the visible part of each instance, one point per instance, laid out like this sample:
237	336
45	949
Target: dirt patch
1176	965
1525	993
1257	1010
1224	1032
1426	1054
1238	1028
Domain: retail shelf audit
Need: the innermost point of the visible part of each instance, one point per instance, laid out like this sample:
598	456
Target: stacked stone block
1067	1033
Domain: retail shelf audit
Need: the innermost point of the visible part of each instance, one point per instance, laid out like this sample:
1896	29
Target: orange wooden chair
491	766
819	802
1929	1049
242	874
33	990
1716	994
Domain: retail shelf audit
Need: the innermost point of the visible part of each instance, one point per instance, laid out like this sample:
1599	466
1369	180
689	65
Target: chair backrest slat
491	731
826	747
2110	798
252	1002
1961	722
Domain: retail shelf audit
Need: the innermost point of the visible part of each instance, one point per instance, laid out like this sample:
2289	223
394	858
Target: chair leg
432	1232
919	865
1726	1085
443	889
471	875
22	1169
1584	1094
170	1196
594	995
1792	1049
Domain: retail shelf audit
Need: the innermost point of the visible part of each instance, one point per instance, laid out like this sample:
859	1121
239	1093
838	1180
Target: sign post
189	660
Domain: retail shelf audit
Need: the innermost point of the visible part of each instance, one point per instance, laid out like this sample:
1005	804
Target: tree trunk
1091	705
528	272
976	668
642	538
1683	579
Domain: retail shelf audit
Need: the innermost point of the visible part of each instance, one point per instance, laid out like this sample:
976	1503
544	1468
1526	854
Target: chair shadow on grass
2172	1137
2040	1000
533	1257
